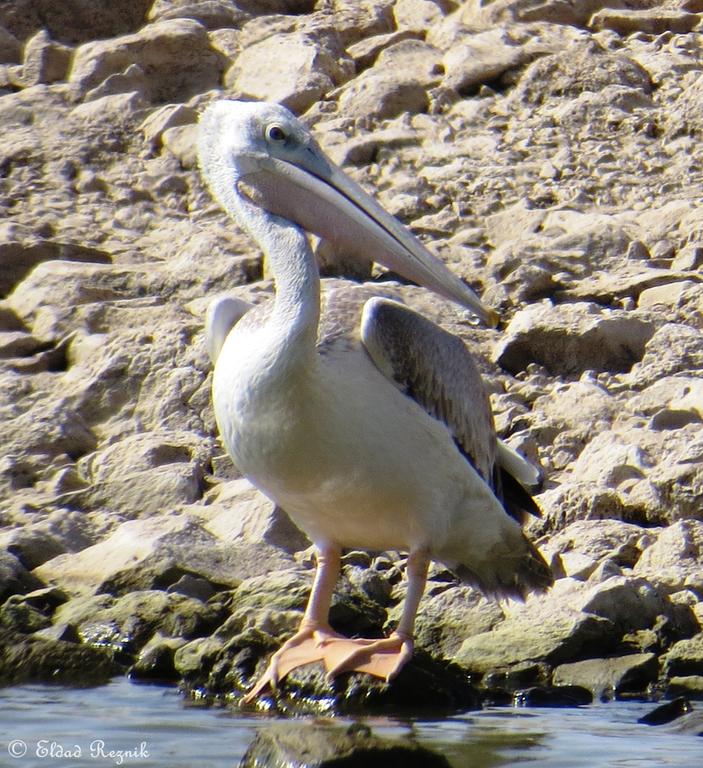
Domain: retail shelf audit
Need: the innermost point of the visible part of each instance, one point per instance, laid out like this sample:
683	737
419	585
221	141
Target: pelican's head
259	154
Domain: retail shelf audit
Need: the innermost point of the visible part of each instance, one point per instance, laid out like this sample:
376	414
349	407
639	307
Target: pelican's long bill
323	200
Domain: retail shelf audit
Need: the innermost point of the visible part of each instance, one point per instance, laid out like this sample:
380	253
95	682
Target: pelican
366	422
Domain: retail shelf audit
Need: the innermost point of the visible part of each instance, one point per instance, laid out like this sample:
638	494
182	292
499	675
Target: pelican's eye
276	133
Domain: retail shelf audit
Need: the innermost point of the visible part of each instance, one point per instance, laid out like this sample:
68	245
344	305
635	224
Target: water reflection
179	735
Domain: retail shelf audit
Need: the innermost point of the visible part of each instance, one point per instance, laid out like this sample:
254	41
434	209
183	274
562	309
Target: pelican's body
353	460
367	423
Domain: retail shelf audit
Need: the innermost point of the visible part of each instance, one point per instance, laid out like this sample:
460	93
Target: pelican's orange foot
305	647
382	658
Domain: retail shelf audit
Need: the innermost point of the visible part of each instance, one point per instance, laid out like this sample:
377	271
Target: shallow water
151	726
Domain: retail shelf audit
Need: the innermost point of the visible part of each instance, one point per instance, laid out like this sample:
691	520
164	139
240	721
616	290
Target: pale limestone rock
685	657
581	408
577	69
180	142
611	459
651	22
516	222
673	560
358	20
110	107
668	296
610	677
365	52
131	543
448	618
213	14
571	338
479	14
155	553
378	95
418	15
163	118
552	638
671	393
44	61
238	512
481	58
145	474
412	59
583	545
175	52
294	69
674	349
626	602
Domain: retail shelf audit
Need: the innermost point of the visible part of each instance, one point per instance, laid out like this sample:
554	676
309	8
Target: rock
175	52
163	469
448	618
125	624
293	69
10	48
584	545
651	22
685	685
213	14
579	68
553	639
156	553
684	657
14	578
21	251
570	339
44	60
673	348
556	696
163	118
76	20
413	59
37	660
155	662
666	713
612	677
672	561
243	514
481	59
418	15
180	142
668	296
318	746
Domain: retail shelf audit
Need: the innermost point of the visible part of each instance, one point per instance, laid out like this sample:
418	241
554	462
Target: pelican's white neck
297	279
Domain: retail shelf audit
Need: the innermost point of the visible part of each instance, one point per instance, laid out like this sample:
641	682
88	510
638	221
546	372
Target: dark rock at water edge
37	660
666	713
425	685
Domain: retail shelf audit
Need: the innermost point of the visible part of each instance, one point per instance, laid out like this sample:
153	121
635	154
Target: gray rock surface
547	151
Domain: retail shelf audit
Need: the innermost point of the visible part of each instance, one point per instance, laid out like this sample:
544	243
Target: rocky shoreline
548	151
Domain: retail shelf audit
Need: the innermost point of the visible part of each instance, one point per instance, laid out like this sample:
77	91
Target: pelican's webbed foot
305	647
383	658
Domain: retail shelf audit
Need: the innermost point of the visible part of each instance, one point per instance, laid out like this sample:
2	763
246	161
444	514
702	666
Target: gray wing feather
434	368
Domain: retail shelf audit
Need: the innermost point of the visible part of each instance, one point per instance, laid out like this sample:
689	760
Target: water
153	727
